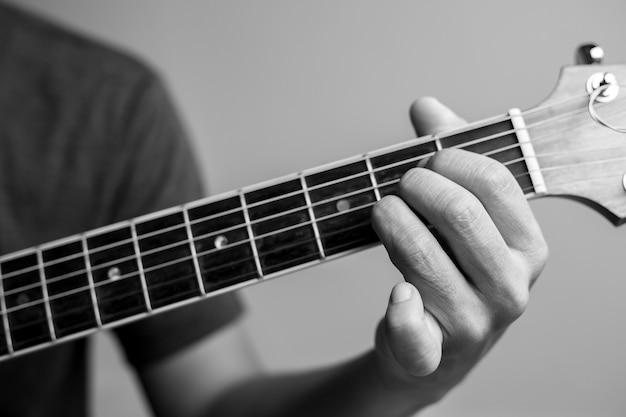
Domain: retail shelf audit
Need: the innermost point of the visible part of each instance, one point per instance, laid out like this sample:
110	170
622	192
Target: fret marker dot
22	299
221	241
343	205
114	273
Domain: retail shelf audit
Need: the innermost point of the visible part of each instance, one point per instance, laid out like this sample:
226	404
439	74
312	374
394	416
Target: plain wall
267	88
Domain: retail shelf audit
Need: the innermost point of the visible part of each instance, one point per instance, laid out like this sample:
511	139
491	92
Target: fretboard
108	276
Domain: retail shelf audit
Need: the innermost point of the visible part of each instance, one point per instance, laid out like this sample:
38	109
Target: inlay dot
343	205
22	299
221	241
114	273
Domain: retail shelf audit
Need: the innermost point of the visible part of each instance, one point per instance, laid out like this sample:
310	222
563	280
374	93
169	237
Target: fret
370	170
192	248
70	298
46	298
316	231
6	346
142	275
437	142
166	258
284	244
26	311
115	271
352	228
250	232
226	253
92	285
389	167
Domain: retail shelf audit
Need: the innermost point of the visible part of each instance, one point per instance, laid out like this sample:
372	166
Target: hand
467	279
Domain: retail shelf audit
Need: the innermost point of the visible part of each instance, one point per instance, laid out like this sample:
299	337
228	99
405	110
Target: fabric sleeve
158	172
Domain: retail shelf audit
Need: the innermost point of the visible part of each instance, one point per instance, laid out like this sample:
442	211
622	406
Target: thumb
429	116
413	335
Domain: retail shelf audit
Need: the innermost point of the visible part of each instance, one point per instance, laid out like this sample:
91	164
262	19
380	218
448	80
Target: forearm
355	388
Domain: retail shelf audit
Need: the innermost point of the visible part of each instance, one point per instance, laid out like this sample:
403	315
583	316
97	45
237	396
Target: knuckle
511	296
416	244
417	250
514	304
543	252
475	332
535	257
414	253
462	210
533	261
496	180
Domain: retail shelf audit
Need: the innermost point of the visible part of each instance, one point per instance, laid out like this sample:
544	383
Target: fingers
497	190
412	334
491	182
429	116
468	282
420	258
465	225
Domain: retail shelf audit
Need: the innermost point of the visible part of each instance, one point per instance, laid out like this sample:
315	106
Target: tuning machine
602	87
589	53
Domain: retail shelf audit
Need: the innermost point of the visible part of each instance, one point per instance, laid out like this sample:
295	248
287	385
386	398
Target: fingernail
400	293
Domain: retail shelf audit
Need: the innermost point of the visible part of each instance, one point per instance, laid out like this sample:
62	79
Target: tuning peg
589	53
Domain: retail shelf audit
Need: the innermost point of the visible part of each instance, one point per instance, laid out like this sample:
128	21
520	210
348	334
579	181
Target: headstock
579	157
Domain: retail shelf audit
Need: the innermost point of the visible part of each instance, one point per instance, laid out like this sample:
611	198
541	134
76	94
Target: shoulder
66	56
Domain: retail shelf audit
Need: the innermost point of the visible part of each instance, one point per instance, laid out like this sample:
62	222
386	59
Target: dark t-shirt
88	137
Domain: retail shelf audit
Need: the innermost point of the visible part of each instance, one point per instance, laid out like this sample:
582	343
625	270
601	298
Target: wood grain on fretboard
123	272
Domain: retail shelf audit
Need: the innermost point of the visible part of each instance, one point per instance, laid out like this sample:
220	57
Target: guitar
569	146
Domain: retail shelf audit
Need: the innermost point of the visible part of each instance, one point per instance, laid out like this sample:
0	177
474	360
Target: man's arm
464	284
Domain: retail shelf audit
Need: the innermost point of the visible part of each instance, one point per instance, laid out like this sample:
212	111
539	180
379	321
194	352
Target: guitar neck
105	277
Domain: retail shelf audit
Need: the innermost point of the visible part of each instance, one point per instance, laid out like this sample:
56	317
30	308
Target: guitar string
230	246
183	259
184	242
141	294
172	245
298	192
334	198
190	295
193	293
235	280
35	285
199	254
382	168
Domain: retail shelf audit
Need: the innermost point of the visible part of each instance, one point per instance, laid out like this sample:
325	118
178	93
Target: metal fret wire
244	241
319	186
25	305
262	219
180	278
347	178
104	265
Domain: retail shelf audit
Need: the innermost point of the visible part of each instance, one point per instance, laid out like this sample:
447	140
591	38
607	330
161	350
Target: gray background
268	88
